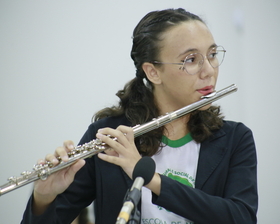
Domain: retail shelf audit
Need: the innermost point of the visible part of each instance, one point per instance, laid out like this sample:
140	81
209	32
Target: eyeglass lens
194	62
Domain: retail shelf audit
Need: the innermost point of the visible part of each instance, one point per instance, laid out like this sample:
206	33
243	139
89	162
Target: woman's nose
207	69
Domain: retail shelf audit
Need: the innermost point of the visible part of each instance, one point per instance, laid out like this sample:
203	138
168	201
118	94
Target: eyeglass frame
203	59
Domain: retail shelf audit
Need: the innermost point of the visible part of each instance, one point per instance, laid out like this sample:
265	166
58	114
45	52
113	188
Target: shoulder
233	126
233	133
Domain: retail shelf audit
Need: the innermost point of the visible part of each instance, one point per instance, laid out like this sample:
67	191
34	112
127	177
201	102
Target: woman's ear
151	72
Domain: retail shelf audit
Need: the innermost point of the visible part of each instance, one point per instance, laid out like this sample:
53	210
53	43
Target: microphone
142	174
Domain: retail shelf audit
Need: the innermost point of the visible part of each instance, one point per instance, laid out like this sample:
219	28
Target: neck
177	128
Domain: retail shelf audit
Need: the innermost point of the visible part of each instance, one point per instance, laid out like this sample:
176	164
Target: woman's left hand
123	151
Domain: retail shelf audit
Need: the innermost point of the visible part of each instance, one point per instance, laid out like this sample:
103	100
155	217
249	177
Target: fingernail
100	130
65	158
54	160
71	147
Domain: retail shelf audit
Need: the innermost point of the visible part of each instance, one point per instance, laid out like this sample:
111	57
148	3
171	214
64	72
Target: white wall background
61	61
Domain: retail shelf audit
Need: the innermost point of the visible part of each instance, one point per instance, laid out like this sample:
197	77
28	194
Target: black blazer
225	188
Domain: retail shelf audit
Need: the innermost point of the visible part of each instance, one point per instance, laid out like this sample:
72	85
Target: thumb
75	168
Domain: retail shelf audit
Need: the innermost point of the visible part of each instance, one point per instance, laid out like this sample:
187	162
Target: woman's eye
213	55
190	59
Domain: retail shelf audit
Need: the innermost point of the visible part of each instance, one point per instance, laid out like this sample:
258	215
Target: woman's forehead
185	36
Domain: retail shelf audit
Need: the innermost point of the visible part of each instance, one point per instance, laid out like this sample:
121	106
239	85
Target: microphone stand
129	212
142	174
134	196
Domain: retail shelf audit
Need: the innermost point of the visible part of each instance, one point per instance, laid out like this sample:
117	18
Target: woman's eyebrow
213	46
195	49
187	51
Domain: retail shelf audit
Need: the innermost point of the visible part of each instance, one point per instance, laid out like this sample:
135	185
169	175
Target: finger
77	165
110	159
128	132
51	158
69	145
74	169
111	152
127	166
40	161
62	153
108	139
113	136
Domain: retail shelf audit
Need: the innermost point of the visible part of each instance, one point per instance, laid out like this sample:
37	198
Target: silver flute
42	171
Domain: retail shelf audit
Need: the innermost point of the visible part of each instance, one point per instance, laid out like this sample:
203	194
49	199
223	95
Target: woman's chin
205	107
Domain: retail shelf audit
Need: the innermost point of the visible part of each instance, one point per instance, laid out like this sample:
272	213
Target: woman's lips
206	90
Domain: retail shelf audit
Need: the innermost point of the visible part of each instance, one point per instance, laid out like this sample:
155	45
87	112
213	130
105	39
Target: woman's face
176	87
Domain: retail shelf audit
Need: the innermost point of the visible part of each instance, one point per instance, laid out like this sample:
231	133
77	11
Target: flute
42	171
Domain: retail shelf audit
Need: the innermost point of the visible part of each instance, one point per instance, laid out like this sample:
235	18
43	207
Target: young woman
205	166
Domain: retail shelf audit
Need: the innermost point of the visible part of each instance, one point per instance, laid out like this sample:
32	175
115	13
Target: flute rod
42	171
162	120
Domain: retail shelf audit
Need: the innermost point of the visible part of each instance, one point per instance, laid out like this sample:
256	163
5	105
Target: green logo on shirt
179	176
180	179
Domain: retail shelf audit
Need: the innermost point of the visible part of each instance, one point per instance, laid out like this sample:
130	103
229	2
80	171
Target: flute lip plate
209	95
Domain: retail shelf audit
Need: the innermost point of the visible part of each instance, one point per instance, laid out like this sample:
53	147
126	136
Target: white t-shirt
177	160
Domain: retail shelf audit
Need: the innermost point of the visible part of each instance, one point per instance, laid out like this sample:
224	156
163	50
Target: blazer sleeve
81	192
230	193
65	208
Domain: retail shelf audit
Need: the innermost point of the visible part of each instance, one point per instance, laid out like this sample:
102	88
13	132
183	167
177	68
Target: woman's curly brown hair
137	100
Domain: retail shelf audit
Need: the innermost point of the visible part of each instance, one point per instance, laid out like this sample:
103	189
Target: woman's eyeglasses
193	63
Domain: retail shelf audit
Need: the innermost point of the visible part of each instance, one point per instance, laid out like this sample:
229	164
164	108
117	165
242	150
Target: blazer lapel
211	154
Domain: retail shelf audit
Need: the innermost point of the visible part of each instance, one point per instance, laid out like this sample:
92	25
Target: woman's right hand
45	191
